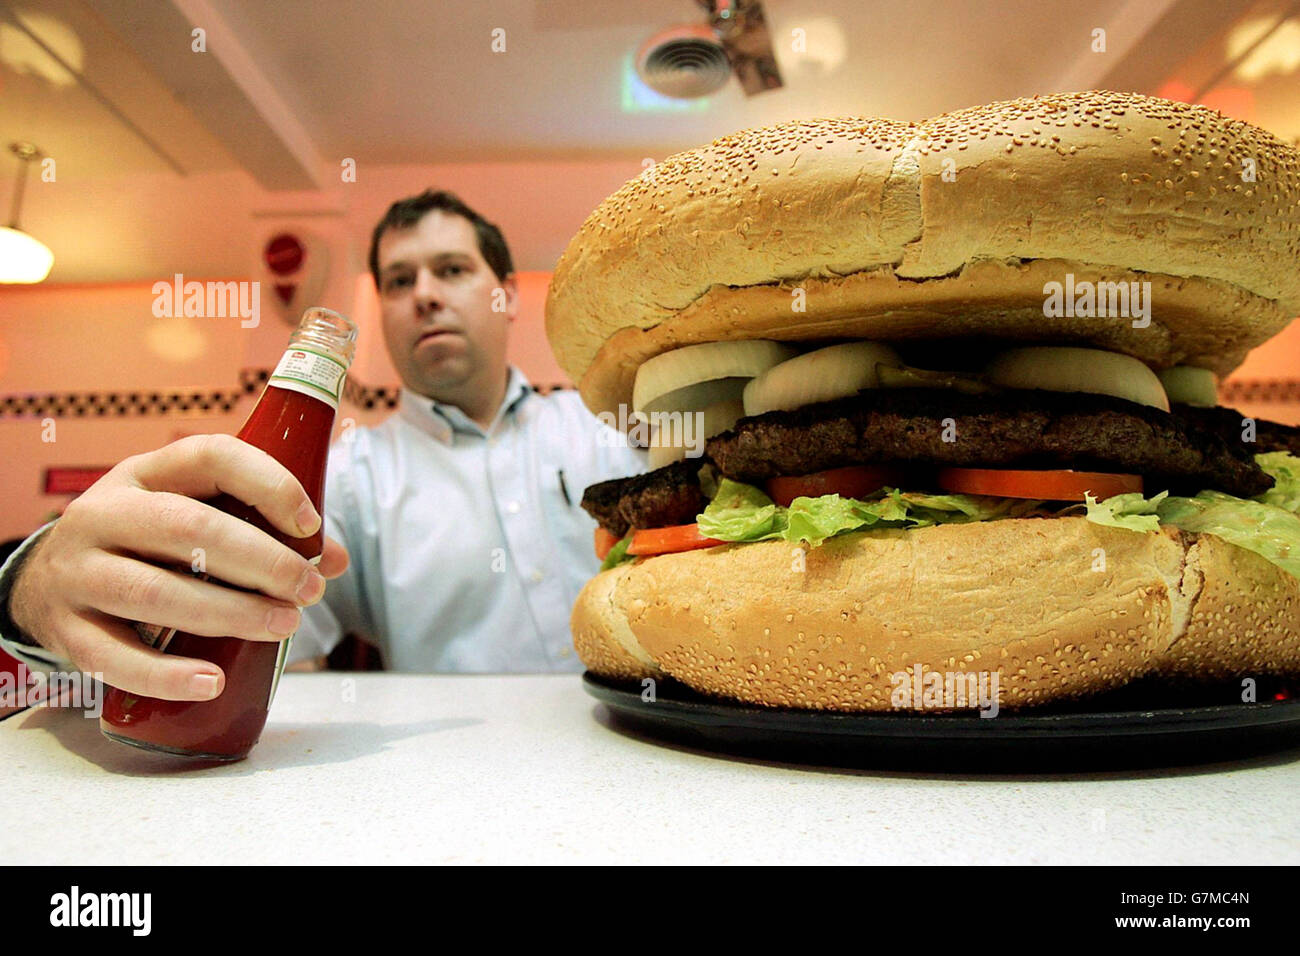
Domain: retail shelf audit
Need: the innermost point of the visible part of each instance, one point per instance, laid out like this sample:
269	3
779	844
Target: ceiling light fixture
23	258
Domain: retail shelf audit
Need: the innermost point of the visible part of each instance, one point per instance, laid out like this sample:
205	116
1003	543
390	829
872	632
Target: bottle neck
312	371
322	330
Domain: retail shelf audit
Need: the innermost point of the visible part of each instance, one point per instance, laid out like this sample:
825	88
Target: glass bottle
291	422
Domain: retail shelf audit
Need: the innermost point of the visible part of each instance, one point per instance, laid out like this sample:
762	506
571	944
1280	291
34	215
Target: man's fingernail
204	686
282	620
310	587
308	519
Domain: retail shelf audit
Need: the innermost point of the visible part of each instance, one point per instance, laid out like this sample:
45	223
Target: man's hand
106	562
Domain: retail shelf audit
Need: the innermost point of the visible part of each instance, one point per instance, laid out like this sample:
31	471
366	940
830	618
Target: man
459	512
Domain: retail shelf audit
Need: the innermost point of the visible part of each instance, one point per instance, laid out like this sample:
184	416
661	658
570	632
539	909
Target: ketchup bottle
292	422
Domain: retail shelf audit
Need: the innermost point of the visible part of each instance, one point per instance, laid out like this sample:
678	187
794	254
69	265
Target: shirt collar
442	420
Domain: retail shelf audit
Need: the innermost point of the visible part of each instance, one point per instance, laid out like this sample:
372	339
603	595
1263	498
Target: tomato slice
682	537
1059	485
605	541
855	481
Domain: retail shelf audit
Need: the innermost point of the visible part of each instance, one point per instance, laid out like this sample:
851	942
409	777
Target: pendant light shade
23	258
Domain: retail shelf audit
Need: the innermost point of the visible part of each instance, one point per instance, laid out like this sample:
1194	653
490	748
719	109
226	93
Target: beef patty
658	499
1014	428
1229	424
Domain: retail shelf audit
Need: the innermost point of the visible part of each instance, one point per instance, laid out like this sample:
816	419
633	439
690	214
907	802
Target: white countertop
421	769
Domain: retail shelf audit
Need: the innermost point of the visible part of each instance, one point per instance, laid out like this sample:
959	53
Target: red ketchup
292	422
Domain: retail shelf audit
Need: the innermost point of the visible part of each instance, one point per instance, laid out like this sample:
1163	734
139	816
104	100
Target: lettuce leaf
618	554
1285	469
741	512
816	519
1130	511
944	509
1267	524
1271	532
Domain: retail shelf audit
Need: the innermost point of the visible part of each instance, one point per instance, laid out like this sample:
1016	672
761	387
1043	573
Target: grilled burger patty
1227	423
1015	428
1006	429
658	499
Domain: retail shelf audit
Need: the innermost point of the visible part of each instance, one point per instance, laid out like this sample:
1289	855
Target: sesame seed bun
1029	599
943	228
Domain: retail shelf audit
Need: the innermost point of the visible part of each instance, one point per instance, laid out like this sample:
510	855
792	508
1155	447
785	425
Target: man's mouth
435	334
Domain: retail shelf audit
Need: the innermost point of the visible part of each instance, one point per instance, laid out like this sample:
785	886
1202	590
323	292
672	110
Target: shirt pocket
574	529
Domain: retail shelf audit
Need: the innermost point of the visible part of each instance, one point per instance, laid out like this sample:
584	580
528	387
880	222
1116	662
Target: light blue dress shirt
468	547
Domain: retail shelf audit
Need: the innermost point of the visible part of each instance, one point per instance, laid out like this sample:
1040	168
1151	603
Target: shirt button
538	574
566	651
512	507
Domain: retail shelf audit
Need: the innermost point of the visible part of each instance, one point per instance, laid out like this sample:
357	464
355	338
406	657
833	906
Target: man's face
437	295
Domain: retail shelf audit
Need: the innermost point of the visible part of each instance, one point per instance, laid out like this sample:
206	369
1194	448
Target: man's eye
397	282
452	270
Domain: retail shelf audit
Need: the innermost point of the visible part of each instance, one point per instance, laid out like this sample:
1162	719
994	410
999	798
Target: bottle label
154	635
312	373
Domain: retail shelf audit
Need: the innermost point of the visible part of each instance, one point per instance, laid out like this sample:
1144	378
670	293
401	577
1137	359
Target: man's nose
428	291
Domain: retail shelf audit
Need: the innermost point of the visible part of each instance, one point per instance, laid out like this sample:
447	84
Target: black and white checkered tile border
363	396
1284	391
115	404
122	404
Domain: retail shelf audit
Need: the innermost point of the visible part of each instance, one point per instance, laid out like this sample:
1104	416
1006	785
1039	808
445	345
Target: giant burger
954	392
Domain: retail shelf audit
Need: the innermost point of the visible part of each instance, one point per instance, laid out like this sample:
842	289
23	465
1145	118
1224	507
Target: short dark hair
407	212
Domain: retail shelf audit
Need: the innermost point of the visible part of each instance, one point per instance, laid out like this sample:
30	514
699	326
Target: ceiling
287	89
420	82
169	148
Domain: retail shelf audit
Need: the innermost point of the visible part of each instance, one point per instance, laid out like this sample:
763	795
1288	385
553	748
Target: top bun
945	228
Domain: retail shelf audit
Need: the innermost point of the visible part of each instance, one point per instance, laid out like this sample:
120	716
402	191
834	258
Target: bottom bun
600	632
1054	607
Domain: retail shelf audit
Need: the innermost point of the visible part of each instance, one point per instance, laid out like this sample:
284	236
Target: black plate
1143	725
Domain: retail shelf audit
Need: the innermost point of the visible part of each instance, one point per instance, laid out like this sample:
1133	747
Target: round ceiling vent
684	62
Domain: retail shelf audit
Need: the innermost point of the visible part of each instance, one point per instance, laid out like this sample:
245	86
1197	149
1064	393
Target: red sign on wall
71	481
